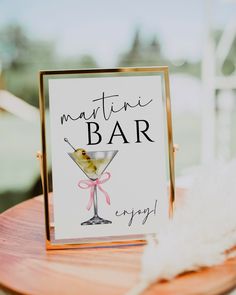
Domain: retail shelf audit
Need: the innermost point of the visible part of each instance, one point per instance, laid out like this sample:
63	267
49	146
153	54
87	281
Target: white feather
202	229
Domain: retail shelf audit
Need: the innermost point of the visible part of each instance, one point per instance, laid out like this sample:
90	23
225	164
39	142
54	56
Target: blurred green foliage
22	57
143	53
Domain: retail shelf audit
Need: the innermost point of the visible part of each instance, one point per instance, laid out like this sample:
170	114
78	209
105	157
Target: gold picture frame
51	242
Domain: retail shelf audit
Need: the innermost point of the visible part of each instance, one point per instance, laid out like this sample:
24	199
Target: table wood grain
27	268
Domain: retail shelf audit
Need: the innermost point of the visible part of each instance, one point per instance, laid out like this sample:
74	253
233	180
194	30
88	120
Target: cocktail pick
66	140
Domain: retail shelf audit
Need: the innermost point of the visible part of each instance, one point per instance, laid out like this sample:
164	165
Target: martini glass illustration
93	164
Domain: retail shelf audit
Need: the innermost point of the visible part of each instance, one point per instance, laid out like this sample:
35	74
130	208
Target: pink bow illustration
85	184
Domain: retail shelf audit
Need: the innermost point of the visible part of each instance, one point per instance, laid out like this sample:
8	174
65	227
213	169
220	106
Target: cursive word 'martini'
106	108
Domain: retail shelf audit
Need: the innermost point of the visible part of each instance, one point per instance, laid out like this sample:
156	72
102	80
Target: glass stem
95	201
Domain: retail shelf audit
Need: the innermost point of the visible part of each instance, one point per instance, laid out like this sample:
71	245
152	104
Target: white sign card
109	158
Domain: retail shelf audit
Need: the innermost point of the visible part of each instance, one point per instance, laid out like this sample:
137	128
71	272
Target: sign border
49	227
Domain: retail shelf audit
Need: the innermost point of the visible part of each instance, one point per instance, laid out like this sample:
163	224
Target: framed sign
107	139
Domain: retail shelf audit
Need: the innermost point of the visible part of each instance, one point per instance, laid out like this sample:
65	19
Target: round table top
27	268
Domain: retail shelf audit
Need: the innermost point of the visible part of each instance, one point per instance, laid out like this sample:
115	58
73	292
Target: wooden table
27	268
